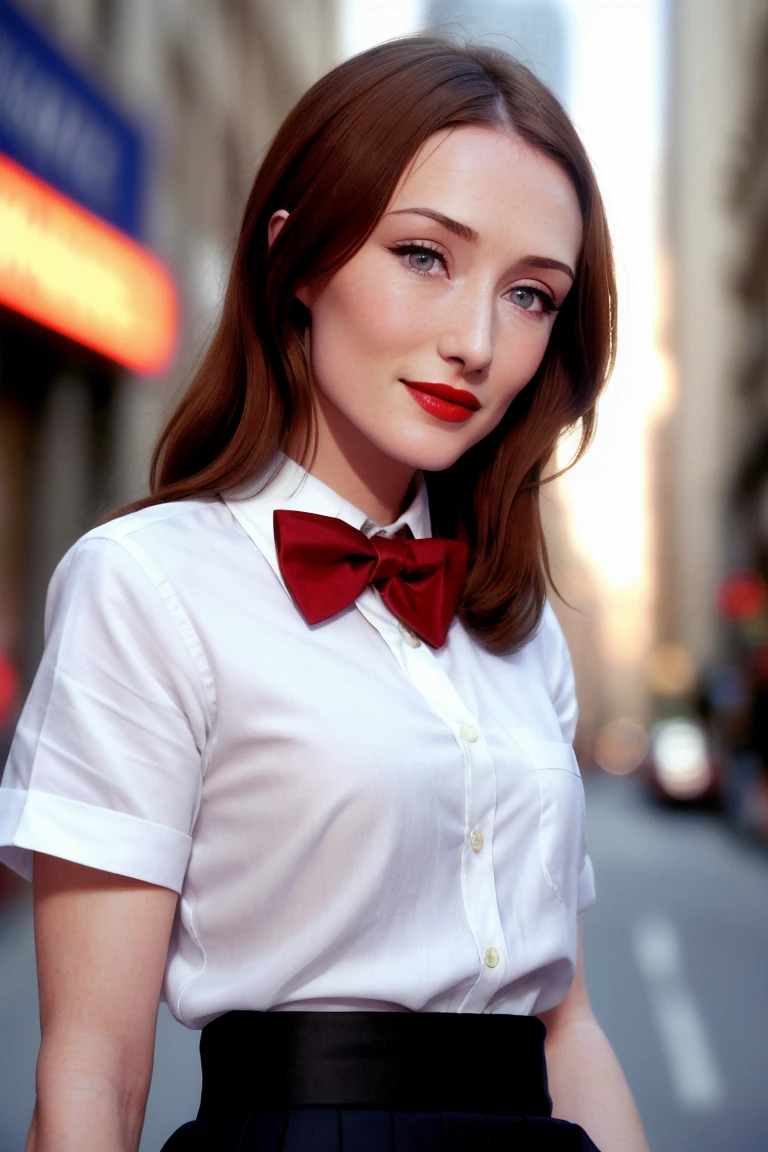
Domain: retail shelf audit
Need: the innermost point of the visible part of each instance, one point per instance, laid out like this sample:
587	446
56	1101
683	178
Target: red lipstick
443	401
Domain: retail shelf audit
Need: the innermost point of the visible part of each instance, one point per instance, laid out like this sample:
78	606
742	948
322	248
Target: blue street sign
58	125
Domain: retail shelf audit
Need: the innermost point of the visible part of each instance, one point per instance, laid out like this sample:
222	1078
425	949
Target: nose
467	338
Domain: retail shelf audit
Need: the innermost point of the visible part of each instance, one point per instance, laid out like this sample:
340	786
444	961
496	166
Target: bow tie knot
326	564
391	559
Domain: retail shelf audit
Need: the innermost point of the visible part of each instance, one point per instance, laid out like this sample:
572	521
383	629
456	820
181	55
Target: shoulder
125	557
149	524
549	637
152	535
554	655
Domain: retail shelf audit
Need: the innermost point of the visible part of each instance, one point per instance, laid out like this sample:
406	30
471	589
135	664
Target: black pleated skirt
374	1082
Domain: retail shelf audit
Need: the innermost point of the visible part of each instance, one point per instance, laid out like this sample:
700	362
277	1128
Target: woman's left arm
586	1083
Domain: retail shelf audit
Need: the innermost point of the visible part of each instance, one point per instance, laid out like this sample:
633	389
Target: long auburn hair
334	165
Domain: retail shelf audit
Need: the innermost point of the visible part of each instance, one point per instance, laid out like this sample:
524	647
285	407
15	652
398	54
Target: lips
443	401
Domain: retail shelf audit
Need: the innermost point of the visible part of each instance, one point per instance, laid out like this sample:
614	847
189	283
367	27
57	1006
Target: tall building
711	320
747	522
712	452
745	642
129	136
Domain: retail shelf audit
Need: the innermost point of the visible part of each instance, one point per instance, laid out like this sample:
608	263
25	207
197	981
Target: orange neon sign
72	272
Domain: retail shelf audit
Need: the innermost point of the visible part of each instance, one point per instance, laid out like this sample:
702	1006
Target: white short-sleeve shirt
353	819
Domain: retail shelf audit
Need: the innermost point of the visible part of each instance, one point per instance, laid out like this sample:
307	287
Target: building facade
711	455
200	88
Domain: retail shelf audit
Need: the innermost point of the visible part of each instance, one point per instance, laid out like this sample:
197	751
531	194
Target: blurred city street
130	135
675	950
675	956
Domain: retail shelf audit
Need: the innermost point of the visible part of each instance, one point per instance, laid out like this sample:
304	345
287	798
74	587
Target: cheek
520	352
355	316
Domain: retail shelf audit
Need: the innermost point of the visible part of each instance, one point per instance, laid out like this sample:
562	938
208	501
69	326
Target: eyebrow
547	262
467	233
462	230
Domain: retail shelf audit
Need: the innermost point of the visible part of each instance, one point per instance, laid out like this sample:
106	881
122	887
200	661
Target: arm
101	942
585	1081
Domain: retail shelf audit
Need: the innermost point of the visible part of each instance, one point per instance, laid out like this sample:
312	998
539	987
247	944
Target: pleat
212	1135
361	1130
188	1138
583	1142
417	1132
541	1134
465	1132
532	1136
500	1134
284	1130
312	1130
262	1132
364	1131
224	1135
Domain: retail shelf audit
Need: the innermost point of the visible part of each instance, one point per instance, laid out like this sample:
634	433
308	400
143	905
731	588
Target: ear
275	226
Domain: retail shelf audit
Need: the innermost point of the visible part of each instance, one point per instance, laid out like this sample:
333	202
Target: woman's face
421	341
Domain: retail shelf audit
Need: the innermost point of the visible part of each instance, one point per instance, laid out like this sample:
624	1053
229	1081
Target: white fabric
312	792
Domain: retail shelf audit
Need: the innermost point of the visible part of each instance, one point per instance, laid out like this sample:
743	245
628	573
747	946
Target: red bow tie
327	563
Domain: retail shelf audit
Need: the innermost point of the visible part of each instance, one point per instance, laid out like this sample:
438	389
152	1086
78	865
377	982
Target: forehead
494	181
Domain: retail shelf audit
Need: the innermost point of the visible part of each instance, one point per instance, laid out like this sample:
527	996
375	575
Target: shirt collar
285	484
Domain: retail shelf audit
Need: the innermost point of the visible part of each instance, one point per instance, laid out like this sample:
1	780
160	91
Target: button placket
408	635
480	898
478	882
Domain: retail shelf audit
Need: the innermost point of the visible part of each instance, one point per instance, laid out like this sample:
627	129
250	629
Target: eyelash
413	249
547	303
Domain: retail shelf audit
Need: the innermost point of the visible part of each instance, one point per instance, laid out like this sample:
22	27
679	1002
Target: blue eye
421	260
532	300
524	297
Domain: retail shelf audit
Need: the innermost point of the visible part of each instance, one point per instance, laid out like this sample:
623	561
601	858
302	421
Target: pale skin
472	312
469	307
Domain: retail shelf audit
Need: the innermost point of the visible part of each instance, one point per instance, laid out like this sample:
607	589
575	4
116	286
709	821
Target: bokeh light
681	759
621	746
741	595
673	670
9	689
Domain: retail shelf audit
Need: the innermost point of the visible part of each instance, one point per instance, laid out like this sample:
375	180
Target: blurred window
105	13
234	182
181	142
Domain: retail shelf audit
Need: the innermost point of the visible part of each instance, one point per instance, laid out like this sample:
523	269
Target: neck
351	465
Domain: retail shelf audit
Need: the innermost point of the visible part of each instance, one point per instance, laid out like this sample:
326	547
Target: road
676	963
676	953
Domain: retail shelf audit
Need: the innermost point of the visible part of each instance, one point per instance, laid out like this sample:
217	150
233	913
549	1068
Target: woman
299	748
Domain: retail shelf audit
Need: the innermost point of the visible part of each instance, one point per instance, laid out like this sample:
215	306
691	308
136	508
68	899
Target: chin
431	455
438	461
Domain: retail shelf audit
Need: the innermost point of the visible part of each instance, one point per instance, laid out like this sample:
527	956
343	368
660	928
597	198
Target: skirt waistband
403	1061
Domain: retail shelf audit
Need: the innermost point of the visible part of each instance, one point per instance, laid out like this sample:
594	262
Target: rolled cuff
586	892
33	821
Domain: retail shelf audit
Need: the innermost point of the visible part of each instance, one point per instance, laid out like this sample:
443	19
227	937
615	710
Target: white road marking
696	1079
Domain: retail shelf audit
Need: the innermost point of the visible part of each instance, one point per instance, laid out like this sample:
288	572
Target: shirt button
409	636
468	733
476	840
491	957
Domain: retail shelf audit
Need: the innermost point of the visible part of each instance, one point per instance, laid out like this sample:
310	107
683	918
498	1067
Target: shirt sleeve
105	768
562	690
559	674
